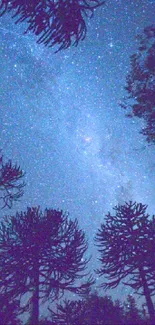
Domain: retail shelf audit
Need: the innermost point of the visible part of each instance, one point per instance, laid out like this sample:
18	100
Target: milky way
62	122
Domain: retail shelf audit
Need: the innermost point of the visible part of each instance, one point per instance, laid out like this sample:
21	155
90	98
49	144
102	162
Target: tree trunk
34	318
147	296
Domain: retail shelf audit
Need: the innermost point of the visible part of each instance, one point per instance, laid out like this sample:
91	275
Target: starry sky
61	119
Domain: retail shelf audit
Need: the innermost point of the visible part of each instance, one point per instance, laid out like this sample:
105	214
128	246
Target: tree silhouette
11	186
124	244
92	310
131	311
42	254
58	22
69	312
140	84
101	310
98	310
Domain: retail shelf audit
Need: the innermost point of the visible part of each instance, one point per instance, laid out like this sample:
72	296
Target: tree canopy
11	184
125	244
94	310
58	22
140	83
41	254
98	310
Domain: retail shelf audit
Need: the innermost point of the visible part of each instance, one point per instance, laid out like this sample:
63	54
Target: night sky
61	119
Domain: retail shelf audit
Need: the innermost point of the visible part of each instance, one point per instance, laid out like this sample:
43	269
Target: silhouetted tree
58	22
101	310
69	313
140	83
42	254
11	186
119	311
124	244
93	310
98	310
131	311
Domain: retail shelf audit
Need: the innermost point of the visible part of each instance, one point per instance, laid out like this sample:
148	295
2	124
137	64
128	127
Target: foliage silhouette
58	22
124	244
11	186
97	310
69	312
140	84
132	312
42	254
101	310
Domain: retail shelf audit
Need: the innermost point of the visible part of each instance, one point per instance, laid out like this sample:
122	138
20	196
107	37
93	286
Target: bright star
111	44
88	139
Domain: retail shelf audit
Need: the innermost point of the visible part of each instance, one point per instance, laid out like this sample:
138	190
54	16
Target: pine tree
125	244
41	254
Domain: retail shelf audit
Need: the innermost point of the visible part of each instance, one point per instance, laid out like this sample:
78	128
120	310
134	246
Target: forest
43	252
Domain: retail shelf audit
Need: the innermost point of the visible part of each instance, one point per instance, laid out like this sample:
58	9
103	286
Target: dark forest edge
91	310
43	255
